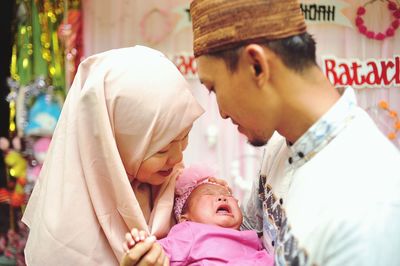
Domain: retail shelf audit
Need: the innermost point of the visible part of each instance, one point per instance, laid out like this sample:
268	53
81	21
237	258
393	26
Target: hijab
123	106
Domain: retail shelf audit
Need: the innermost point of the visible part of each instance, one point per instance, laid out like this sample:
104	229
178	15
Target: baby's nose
221	198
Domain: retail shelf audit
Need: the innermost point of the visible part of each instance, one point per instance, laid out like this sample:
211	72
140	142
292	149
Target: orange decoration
393	114
384	105
392	135
21	181
4	195
17	200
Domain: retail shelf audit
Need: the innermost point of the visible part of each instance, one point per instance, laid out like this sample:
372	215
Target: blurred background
43	42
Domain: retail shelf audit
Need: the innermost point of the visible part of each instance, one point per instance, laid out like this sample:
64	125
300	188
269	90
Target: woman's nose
176	154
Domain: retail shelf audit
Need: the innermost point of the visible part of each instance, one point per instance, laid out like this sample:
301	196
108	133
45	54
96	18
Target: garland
389	32
393	114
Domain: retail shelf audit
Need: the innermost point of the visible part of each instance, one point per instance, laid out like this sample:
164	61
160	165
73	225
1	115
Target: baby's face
213	204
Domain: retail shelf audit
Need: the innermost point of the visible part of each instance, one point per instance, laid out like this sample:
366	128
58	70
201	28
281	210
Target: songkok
223	24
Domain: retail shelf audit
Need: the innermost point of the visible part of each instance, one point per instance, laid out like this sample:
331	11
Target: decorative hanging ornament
380	36
392	135
165	26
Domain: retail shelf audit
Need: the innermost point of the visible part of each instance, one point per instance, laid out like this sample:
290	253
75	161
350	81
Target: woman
113	160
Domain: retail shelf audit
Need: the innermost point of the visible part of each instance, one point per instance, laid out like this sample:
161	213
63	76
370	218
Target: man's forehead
207	67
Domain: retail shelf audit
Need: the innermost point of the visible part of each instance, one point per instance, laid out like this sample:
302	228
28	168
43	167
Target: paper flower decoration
388	32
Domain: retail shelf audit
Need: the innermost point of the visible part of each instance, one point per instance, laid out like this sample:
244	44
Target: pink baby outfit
190	243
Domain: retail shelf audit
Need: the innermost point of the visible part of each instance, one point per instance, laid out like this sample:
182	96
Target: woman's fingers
139	252
161	257
220	182
166	261
155	256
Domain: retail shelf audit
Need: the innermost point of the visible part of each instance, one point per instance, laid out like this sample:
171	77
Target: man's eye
162	152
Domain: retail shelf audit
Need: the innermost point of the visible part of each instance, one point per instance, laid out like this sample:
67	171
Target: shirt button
301	155
281	201
273	243
290	160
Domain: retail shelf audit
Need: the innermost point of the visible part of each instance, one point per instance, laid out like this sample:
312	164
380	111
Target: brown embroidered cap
222	24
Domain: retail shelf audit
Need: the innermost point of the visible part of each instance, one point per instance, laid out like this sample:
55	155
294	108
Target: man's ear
258	60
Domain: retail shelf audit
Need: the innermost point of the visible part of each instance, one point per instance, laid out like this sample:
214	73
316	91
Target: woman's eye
163	152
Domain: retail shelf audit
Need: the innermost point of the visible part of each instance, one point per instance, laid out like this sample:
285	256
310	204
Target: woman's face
155	169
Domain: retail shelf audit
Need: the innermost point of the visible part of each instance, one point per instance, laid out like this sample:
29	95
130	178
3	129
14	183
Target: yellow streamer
13	67
12	118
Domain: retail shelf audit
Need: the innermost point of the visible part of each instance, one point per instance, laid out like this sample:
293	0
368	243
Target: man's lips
165	173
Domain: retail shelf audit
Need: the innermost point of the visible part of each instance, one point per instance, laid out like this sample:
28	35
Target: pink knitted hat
191	178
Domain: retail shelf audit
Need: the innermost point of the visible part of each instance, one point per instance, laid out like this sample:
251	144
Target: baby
207	232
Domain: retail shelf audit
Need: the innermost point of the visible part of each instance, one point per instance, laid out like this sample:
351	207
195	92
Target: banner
368	73
315	12
325	11
186	64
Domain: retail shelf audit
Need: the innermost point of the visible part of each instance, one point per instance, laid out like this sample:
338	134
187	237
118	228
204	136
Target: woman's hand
142	250
220	182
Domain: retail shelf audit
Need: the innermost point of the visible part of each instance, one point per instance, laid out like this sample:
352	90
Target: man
329	186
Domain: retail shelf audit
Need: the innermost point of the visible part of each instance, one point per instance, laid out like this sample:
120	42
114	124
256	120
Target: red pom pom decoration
359	21
395	24
392	6
389	32
380	36
361	11
370	34
362	29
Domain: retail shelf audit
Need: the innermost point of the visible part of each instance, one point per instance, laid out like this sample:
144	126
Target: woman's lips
165	173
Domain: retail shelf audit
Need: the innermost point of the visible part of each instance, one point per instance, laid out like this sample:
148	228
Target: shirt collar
324	130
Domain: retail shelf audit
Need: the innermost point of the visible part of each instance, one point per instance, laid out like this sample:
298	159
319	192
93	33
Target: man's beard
258	142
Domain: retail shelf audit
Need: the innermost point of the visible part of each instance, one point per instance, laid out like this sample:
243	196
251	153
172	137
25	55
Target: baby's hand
133	237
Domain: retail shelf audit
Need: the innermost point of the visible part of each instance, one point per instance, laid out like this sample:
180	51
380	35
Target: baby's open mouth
224	209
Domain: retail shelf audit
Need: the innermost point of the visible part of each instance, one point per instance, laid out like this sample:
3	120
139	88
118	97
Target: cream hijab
124	105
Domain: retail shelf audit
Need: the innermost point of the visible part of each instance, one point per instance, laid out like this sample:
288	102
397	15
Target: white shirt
333	197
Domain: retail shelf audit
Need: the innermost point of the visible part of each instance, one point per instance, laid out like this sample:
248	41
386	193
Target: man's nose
223	114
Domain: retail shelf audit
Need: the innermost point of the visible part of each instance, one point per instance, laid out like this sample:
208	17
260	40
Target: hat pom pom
193	175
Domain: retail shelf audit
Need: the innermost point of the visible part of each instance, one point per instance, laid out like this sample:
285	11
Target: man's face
239	97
